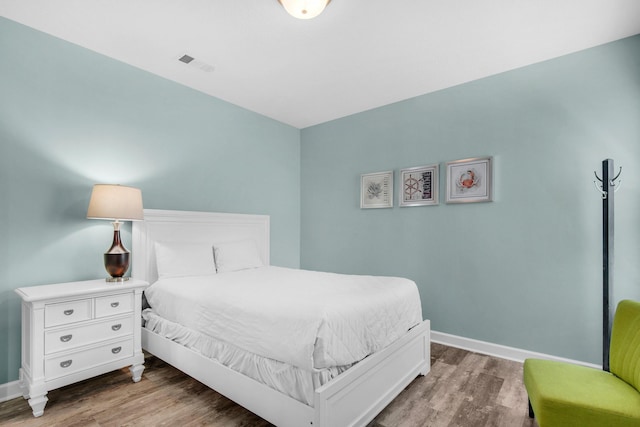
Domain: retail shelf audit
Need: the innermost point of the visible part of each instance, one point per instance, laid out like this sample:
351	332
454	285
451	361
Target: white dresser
77	330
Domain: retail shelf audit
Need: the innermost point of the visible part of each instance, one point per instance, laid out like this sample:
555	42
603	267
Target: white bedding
307	319
290	380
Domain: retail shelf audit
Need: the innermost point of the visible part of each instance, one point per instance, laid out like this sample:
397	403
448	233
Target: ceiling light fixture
304	9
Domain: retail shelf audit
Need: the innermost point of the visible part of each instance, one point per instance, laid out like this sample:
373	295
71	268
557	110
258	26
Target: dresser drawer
114	304
67	312
60	366
69	338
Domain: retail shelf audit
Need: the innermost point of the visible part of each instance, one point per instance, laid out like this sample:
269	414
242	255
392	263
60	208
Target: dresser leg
136	372
38	403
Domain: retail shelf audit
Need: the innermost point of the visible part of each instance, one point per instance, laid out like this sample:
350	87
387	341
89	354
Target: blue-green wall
524	270
70	118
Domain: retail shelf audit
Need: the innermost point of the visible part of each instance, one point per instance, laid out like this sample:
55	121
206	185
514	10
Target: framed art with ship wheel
470	180
419	186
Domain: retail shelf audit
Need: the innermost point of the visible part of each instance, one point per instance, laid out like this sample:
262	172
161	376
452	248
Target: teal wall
524	270
70	118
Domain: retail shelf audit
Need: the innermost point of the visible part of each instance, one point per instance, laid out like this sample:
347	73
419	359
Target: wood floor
462	389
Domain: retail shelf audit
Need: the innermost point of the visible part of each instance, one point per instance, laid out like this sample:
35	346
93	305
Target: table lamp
116	203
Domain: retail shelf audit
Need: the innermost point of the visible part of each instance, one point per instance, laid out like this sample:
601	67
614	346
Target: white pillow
237	255
178	259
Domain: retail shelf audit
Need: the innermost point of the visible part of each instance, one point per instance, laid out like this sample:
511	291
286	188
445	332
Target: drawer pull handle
68	312
66	338
115	304
66	363
116	350
116	327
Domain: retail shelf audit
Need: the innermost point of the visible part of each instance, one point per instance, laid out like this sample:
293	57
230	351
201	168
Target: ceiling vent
193	62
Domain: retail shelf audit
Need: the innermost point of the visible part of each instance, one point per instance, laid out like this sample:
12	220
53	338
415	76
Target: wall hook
616	177
604	193
597	177
616	187
612	183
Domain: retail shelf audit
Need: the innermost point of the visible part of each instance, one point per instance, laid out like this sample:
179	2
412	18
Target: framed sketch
470	180
376	190
419	186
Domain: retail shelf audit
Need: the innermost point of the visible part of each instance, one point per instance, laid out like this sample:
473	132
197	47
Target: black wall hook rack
607	189
612	182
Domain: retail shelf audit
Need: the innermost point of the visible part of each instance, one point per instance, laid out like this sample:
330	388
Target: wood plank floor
463	389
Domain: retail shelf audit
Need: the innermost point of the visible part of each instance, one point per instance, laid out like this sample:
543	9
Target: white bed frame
353	398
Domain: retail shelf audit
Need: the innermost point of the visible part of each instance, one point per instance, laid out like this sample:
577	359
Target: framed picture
419	186
470	180
376	190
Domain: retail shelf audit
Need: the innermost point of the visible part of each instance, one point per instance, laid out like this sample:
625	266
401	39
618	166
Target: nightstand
77	330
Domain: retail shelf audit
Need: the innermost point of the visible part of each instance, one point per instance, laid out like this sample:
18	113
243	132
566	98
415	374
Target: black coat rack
607	189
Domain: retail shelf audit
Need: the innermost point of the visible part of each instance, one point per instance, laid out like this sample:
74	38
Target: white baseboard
10	391
497	350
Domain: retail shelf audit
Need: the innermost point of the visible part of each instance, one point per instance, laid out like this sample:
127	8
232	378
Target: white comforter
303	318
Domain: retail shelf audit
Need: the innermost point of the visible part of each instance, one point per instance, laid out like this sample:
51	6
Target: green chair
562	394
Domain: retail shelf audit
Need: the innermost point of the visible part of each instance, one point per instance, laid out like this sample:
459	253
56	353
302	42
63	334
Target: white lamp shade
304	9
115	202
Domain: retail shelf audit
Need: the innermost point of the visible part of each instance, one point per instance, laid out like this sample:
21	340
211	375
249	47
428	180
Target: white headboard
185	226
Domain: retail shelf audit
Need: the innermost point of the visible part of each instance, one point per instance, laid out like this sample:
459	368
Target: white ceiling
357	55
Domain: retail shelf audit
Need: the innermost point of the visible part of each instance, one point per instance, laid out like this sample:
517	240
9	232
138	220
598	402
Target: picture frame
470	180
376	190
419	186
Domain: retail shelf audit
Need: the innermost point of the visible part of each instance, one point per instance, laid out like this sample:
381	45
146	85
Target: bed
237	354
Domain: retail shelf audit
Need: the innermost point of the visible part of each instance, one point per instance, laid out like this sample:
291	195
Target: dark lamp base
116	259
116	264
